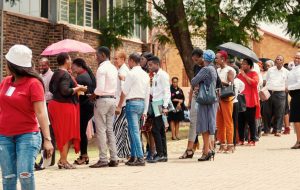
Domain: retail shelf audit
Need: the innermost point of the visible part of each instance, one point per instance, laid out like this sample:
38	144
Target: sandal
222	148
82	160
230	149
186	154
65	166
296	146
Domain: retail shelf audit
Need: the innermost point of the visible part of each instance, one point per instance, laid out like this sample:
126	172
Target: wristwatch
48	138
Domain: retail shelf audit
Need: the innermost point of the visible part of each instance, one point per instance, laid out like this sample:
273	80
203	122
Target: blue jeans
18	154
134	110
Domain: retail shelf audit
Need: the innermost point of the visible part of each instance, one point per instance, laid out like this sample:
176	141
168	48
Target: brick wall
38	33
270	46
21	30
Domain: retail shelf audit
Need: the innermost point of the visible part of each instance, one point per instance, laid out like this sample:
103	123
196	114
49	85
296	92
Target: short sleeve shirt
17	114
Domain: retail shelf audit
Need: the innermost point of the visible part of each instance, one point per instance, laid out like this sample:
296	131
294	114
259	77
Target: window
96	13
137	28
88	13
78	12
64	10
26	7
136	33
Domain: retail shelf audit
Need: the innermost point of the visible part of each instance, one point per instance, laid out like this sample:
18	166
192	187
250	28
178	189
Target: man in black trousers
160	92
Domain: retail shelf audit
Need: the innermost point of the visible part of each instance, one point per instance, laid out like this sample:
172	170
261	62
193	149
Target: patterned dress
121	132
206	115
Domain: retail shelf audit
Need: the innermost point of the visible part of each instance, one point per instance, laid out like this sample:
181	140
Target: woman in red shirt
22	111
251	80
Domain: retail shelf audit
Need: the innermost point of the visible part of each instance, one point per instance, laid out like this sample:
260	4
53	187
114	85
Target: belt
273	91
135	99
98	97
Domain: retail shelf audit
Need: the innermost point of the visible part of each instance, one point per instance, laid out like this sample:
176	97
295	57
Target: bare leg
287	121
286	124
177	129
206	143
172	123
297	128
64	153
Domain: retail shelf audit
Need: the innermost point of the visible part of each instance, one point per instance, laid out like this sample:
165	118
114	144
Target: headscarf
209	55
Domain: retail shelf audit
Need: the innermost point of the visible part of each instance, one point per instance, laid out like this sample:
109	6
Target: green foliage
120	22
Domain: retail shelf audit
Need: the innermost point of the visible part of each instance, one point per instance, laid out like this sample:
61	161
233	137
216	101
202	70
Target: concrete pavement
271	164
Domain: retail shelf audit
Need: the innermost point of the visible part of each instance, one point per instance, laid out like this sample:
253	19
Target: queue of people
135	100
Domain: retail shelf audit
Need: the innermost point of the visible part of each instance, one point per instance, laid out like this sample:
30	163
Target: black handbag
227	91
241	102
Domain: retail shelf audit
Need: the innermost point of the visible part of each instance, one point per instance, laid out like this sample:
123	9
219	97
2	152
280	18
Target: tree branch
250	14
158	8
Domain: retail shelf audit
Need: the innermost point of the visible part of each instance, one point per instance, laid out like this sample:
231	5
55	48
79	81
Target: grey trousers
274	107
193	120
104	112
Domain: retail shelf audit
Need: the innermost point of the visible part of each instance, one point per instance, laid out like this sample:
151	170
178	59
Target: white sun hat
19	55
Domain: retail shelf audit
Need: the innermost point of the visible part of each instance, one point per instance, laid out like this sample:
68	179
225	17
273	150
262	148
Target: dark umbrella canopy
238	51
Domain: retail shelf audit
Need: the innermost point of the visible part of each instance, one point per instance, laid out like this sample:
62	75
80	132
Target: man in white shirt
136	90
104	111
160	92
46	74
276	83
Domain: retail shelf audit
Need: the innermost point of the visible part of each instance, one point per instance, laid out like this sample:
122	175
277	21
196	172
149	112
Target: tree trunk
212	24
178	25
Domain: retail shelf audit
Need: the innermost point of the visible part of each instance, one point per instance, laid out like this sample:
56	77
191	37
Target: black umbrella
238	51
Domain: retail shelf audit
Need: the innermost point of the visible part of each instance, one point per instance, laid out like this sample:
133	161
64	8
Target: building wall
38	33
270	46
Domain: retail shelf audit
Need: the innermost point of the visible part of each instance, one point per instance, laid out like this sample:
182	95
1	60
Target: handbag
227	91
264	94
241	102
207	94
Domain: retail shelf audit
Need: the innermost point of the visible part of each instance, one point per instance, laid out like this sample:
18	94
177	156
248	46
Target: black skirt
295	106
176	116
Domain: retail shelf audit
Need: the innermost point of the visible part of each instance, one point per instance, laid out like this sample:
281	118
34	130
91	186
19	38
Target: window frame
76	16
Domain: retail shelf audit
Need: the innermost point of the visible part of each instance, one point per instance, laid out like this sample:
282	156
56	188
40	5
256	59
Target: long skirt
65	119
121	133
206	118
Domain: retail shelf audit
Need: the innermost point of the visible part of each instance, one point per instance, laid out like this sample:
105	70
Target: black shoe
157	158
113	163
99	164
38	167
138	162
165	159
131	160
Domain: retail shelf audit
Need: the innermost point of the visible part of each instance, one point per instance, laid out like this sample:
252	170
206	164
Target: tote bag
207	94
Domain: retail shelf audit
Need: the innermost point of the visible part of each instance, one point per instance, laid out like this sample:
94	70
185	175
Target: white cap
19	55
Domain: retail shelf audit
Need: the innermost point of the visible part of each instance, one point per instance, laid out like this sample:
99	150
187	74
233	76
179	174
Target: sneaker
165	159
138	162
156	159
131	160
251	143
113	163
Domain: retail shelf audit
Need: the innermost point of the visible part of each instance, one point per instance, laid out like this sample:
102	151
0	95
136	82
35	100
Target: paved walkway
270	165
